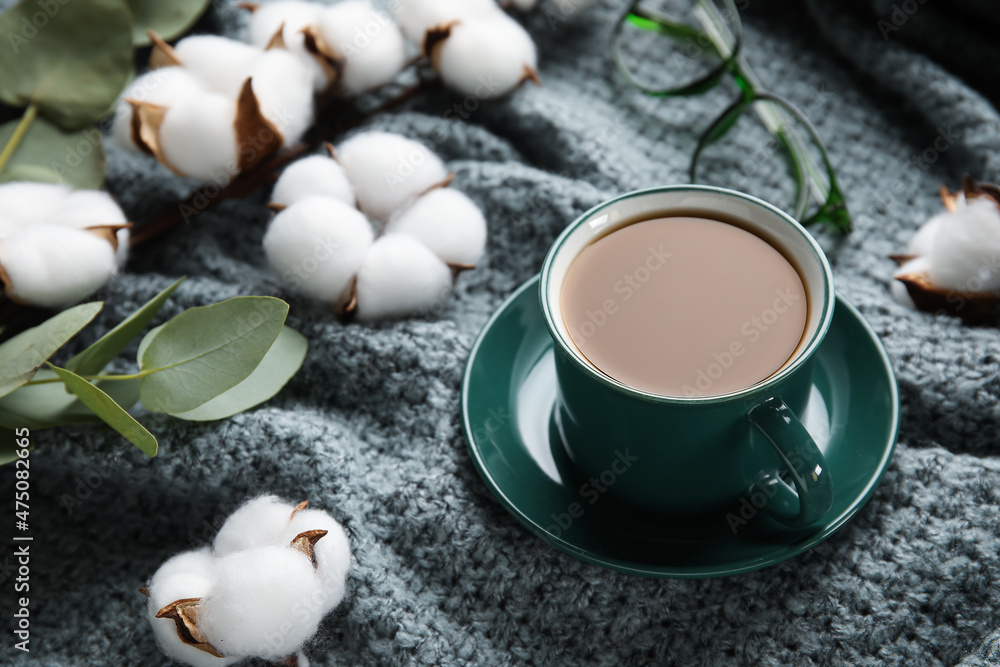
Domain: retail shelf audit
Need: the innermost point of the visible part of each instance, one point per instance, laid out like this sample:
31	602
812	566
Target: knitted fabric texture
369	430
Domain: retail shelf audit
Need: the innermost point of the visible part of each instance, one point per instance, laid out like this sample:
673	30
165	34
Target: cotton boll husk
923	240
265	602
914	266
314	175
27	203
283	88
400	276
185	576
164	86
525	5
898	289
965	247
317	244
259	522
56	266
198	137
486	57
219	62
447	222
388	171
369	40
294	16
332	552
416	17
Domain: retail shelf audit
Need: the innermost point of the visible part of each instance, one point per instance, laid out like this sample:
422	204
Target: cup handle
806	466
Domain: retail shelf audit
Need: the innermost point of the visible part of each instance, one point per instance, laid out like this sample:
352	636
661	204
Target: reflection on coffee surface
684	306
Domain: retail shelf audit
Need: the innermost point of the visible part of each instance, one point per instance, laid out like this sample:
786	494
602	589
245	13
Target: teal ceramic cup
701	453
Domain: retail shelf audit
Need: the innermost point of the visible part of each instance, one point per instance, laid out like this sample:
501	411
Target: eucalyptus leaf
41	406
69	57
167	19
46	154
206	351
23	354
29	172
104	350
146	340
110	412
277	367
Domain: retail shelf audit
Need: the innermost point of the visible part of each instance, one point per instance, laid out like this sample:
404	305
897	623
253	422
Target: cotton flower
416	17
283	87
26	203
388	171
476	48
486	56
263	603
289	17
260	592
951	262
259	522
313	175
324	248
185	576
58	246
213	106
332	553
400	276
219	62
447	222
161	87
317	245
923	240
197	136
365	43
965	248
51	266
86	209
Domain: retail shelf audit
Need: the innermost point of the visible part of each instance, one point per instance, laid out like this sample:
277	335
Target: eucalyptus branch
244	337
101	378
30	113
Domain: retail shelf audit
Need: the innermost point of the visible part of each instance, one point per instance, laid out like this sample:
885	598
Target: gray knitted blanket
370	428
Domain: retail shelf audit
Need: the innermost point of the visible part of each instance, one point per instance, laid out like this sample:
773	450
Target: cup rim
805	353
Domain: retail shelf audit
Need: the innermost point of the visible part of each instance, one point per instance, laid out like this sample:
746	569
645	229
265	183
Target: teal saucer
508	394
